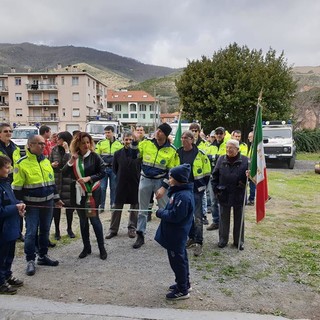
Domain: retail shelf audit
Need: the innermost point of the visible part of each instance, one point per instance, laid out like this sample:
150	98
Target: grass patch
308	156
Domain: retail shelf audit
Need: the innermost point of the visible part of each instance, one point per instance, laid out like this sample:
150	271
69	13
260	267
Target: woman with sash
87	169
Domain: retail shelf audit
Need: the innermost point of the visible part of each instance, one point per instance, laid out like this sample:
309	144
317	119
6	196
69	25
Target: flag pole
247	180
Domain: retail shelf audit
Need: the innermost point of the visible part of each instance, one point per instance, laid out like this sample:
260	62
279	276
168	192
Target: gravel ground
141	277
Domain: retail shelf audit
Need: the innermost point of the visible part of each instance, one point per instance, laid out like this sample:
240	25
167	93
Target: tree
224	90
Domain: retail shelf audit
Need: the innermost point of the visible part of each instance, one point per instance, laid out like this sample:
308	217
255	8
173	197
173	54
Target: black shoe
85	252
7	289
31	268
213	226
103	254
71	234
140	240
240	248
190	243
51	244
15	282
149	217
250	203
222	245
205	220
47	261
110	235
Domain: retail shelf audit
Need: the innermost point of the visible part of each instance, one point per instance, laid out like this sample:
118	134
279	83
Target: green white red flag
177	139
258	170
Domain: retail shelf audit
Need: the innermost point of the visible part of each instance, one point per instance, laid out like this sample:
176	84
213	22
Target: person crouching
172	233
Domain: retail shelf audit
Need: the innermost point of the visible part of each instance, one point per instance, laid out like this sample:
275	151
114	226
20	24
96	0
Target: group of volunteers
206	174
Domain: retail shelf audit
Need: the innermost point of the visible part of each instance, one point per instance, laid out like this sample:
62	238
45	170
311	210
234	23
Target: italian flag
177	139
258	170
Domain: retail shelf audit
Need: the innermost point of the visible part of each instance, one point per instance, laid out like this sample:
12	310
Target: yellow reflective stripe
38	199
16	187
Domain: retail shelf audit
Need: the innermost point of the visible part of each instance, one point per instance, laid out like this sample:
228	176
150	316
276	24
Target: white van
20	136
96	129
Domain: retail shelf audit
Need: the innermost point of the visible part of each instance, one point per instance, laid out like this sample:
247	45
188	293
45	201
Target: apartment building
63	99
133	107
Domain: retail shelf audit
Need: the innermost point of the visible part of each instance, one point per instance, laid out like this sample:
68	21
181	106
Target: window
75	81
62	81
18	112
151	107
18	96
75	96
151	116
142	116
118	116
93	84
117	107
133	107
125	116
133	116
76	112
89	97
88	82
17	81
142	107
63	112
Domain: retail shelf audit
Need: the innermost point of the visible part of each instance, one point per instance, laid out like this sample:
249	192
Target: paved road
19	307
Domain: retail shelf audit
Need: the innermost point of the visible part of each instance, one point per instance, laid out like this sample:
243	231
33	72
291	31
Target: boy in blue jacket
10	212
176	220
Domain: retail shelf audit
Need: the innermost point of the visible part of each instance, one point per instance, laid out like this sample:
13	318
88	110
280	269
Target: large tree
224	90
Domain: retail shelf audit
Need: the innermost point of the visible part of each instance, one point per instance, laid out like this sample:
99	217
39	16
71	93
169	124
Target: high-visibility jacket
16	152
201	168
107	148
201	144
33	179
156	160
243	148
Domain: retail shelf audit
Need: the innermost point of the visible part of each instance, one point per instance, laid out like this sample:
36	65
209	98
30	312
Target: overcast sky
167	32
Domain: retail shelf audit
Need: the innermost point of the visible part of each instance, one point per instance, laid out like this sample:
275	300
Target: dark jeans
57	217
180	265
7	250
104	185
37	217
84	226
196	231
252	192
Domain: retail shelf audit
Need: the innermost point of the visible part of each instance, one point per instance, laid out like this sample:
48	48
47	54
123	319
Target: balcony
99	92
43	119
4	104
42	87
3	89
47	103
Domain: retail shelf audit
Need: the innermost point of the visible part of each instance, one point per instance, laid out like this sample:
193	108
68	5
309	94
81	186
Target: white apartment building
64	99
133	107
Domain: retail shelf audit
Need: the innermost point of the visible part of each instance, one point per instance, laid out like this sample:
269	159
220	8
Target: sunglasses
7	131
194	130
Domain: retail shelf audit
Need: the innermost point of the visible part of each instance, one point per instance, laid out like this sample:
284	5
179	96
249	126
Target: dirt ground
140	277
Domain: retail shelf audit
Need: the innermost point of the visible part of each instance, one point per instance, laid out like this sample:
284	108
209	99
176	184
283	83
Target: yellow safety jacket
33	179
15	155
156	160
243	148
107	148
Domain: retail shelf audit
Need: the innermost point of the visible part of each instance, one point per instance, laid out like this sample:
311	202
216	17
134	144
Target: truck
21	134
278	142
174	126
96	129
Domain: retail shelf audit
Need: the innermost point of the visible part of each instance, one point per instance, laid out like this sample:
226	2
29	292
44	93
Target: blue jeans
180	265
196	231
37	217
252	193
104	185
7	250
146	187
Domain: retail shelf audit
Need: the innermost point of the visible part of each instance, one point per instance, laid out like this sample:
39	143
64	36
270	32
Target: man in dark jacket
229	180
126	166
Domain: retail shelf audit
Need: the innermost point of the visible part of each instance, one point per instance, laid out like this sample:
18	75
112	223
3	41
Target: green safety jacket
106	149
33	179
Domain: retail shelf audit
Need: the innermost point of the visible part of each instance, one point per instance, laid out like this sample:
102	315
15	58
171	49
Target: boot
85	252
103	253
140	240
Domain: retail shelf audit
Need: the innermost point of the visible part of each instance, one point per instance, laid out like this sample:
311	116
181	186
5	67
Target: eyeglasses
219	133
7	131
194	130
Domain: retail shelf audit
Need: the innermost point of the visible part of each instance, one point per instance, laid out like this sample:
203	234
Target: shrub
307	140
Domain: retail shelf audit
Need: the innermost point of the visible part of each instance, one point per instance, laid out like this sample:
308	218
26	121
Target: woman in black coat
59	156
87	168
229	179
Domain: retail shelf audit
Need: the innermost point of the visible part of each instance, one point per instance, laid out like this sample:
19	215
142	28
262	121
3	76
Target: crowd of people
207	174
